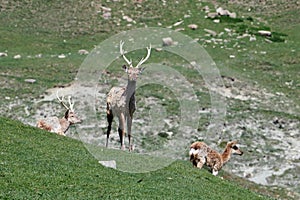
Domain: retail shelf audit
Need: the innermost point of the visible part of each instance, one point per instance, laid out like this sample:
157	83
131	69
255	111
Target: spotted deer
121	102
201	154
60	125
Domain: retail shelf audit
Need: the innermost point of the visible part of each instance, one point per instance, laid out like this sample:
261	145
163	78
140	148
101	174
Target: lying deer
60	126
120	101
201	154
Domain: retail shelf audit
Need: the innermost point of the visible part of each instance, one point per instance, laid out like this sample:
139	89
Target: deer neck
130	88
64	124
226	154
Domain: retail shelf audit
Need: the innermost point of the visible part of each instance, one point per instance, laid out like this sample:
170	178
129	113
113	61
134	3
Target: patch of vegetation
37	164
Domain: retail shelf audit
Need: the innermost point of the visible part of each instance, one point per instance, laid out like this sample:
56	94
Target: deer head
133	72
70	114
234	148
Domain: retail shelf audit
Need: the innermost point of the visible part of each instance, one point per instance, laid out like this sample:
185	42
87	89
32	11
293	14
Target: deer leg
129	124
121	130
201	162
109	120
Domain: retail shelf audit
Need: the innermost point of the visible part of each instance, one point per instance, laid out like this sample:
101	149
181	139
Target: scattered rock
110	163
127	18
179	29
212	15
232	56
2	54
30	80
232	15
216	21
211	32
265	33
39	55
193	26
243	36
222	12
106	15
168	41
268	41
105	9
206	9
62	56
17	56
252	38
227	30
83	52
178	23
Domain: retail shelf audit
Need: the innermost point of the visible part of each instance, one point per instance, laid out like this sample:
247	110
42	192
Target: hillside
39	165
245	88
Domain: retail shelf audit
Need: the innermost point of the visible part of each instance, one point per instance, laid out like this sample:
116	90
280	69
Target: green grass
39	165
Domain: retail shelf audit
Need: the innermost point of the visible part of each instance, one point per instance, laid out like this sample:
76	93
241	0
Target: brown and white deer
121	102
201	154
60	126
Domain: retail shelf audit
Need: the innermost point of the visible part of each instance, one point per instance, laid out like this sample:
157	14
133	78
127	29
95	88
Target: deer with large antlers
60	126
121	102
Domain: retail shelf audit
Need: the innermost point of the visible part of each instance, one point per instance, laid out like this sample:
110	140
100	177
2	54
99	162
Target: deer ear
67	114
125	68
141	70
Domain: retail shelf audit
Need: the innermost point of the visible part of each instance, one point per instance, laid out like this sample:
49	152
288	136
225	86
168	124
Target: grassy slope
40	165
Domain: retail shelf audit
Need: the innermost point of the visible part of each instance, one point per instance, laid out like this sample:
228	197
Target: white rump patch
194	151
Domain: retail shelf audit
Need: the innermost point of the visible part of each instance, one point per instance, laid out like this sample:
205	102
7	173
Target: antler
61	100
122	53
144	59
71	103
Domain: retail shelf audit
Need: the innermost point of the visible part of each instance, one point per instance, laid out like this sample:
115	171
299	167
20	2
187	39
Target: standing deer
120	101
201	154
60	126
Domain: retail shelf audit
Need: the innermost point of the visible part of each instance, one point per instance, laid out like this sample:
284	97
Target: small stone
211	32
17	56
222	12
178	23
62	56
264	33
105	9
232	15
252	38
110	163
193	26
30	80
2	54
106	15
227	30
168	41
212	15
206	9
83	52
127	18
